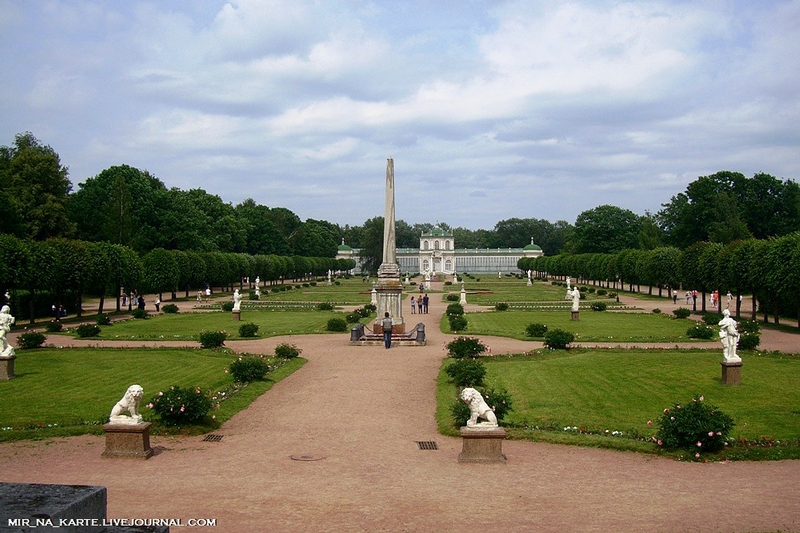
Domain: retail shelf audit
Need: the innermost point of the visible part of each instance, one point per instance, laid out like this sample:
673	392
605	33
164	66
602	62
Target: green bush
501	306
54	326
227	306
700	331
30	340
712	319
353	317
103	320
454	310
558	339
657	311
749	341
499	401
248	368
248	329
452	297
748	326
536	330
324	306
612	294
169	309
598	306
336	324
462	347
364	312
213	339
287	351
682	312
466	372
694	426
457	323
87	330
602	292
371	308
179	406
140	314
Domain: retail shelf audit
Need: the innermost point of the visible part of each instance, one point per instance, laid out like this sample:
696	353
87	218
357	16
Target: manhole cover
427	445
212	438
306	457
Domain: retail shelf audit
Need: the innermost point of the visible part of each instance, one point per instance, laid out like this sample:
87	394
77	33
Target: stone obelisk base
237	315
482	445
7	368
128	441
731	372
575	315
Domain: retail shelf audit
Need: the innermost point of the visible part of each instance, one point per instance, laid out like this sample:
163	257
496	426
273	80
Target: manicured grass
593	326
620	390
71	391
490	292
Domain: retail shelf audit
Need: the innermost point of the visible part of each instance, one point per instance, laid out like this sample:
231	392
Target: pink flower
149	405
183	408
160	393
666	411
649	422
697	455
702	398
659	442
699	444
710	433
719	433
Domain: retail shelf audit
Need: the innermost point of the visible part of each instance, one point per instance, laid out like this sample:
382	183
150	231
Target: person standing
425	300
140	300
413	304
419	304
158	303
386	324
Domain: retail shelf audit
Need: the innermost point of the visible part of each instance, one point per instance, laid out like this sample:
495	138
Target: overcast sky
490	109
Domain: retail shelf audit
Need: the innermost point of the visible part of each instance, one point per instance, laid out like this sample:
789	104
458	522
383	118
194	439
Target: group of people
420	304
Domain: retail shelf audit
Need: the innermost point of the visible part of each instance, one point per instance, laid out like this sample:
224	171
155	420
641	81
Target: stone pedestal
237	315
128	441
7	368
731	372
482	445
575	315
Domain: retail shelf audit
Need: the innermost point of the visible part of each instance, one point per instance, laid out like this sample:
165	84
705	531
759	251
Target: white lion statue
478	409
129	402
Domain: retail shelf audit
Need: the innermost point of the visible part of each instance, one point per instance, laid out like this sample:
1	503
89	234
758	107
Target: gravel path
357	413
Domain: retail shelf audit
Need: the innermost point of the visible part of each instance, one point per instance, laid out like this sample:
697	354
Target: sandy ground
357	413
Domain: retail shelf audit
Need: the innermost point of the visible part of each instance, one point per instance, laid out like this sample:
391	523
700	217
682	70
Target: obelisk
389	287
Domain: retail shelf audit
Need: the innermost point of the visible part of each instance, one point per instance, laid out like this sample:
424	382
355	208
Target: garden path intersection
359	412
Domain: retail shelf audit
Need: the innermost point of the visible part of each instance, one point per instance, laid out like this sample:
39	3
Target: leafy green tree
372	245
34	186
14	260
606	229
161	271
316	238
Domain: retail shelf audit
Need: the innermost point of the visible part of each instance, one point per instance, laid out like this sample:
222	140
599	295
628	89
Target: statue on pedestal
237	301
129	402
478	409
6	321
575	295
729	335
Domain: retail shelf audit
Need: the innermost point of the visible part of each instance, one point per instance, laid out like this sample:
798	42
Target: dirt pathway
358	413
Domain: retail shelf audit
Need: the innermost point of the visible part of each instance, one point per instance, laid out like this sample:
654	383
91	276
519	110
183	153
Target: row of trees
765	268
64	268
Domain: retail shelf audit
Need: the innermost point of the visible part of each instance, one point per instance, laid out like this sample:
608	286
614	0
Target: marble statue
6	321
568	280
530	282
129	402
237	301
575	295
478	409
729	336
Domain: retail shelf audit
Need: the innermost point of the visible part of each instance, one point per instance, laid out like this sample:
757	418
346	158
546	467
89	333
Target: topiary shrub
287	351
103	320
248	329
140	314
454	310
452	297
353	317
602	292
694	426
213	339
30	340
598	306
248	368
324	306
169	309
457	323
712	319
179	406
535	330
682	312
656	311
54	326
363	311
87	330
466	372
749	341
227	306
501	306
336	324
558	339
700	331
462	347
371	307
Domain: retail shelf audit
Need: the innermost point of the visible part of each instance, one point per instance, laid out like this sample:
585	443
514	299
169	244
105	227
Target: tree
34	186
161	271
372	245
606	229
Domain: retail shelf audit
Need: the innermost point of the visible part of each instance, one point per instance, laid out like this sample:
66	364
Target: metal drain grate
212	438
427	445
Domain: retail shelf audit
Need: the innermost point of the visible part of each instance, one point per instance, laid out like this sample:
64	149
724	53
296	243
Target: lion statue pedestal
128	436
482	445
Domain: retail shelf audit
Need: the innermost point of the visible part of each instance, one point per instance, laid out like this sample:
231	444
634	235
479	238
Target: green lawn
88	382
620	390
593	326
510	290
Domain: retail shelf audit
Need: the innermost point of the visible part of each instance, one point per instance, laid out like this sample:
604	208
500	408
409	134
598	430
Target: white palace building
437	253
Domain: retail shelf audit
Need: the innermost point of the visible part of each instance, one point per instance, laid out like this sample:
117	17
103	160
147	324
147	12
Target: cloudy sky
491	109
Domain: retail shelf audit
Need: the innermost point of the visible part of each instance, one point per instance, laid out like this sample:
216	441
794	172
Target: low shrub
336	324
466	372
103	320
454	310
140	314
287	351
54	326
248	368
711	319
364	312
602	292
536	330
682	312
558	339
748	326
353	317
324	306
254	295
700	331
452	297
457	323
227	306
501	306
694	426
169	309
248	329
30	340
371	307
213	339
448	282
657	311
87	330
612	294
179	406
749	341
599	306
462	347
